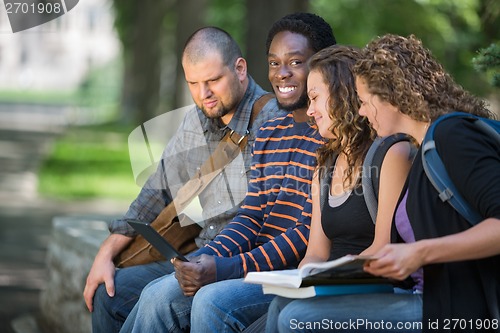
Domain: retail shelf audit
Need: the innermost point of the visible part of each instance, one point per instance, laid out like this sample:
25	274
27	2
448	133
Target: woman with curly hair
342	224
402	88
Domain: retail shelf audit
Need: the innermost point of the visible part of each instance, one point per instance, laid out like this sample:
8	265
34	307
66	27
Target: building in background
58	54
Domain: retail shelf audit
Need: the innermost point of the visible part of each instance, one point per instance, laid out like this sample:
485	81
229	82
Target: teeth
286	89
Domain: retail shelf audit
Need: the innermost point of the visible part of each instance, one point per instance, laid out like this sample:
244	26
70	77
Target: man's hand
103	268
102	271
196	273
396	261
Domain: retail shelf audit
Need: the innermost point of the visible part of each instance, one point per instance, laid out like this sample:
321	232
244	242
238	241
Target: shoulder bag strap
227	150
258	106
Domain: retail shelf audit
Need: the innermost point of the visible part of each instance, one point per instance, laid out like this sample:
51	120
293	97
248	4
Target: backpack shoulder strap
372	166
436	171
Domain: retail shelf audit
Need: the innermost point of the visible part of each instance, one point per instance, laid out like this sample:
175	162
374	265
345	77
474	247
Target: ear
240	66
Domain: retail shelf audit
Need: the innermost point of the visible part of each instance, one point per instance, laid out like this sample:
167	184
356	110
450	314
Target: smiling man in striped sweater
271	228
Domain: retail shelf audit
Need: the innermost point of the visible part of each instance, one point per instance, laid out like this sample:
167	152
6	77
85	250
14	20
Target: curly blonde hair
403	73
352	131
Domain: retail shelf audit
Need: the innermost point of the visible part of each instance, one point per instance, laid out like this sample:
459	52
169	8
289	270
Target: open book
345	270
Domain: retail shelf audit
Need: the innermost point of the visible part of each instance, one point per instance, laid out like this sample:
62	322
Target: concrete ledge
71	251
25	324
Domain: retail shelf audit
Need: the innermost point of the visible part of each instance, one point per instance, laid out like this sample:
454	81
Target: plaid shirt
190	147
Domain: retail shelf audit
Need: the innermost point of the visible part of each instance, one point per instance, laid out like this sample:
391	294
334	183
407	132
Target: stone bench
74	243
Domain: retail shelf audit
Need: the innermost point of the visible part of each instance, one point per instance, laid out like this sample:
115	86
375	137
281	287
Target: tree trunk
142	59
489	13
261	14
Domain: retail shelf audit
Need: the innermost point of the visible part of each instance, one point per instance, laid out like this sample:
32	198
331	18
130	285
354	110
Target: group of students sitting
339	99
396	85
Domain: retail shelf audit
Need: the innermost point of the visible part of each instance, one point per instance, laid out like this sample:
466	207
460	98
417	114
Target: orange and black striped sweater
271	229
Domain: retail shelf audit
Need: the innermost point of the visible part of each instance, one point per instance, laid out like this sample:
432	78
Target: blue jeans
226	306
110	312
347	313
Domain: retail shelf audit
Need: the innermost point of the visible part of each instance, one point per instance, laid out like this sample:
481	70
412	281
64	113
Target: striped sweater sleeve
271	229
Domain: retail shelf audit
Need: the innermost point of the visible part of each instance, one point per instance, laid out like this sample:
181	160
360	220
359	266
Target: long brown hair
352	131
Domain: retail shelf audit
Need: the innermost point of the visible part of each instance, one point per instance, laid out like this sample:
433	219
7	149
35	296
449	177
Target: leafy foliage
452	30
488	61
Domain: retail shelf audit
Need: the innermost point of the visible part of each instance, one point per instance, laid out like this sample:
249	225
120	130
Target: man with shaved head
209	59
224	94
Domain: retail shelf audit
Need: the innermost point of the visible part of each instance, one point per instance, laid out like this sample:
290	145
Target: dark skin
196	273
288	55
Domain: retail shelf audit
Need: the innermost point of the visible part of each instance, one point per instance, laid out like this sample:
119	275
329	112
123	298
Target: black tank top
349	226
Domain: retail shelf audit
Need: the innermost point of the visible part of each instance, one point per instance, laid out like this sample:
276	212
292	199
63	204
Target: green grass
39	97
89	162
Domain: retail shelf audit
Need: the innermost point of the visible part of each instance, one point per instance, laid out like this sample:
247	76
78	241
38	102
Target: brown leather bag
140	251
180	230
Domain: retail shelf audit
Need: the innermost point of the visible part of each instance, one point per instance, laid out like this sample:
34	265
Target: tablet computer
152	236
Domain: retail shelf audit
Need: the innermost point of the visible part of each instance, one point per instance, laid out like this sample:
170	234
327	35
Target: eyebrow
212	78
287	54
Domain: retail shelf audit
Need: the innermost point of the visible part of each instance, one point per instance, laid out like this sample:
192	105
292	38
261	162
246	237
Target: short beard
221	113
301	103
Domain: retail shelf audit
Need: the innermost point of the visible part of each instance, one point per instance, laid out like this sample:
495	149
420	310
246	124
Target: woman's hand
395	261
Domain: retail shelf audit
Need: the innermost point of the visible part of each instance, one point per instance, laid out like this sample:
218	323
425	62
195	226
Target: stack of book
336	277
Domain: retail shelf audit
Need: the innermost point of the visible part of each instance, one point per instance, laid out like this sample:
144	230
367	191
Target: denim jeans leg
110	312
276	306
353	313
162	307
228	306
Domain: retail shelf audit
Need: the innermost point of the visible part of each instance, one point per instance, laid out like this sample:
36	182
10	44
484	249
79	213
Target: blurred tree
489	14
488	59
452	30
153	34
140	29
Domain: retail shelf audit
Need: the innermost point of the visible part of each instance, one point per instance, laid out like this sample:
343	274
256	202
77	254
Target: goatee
220	113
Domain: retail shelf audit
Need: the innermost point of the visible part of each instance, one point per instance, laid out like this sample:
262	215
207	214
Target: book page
315	268
288	277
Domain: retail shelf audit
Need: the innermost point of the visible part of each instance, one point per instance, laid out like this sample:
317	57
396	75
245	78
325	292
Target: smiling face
318	93
215	88
383	116
287	59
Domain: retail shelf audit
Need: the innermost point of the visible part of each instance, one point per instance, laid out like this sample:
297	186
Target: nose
310	110
205	91
283	72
